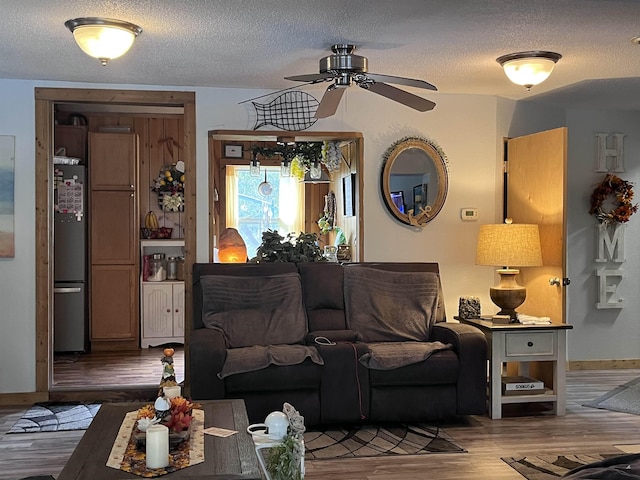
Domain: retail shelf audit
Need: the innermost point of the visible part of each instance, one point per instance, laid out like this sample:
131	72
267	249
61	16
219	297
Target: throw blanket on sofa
386	306
390	355
255	310
250	359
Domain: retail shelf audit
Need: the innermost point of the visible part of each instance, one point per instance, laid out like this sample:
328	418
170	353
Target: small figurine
168	373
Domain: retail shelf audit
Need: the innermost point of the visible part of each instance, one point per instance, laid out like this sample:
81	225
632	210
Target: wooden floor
582	430
106	369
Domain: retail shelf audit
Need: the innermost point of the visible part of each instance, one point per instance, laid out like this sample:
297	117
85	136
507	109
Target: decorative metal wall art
293	111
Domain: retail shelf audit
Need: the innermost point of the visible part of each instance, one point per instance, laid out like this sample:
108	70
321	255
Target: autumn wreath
622	191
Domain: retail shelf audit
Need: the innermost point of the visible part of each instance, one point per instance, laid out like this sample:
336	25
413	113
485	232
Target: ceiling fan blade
410	82
330	101
311	77
397	95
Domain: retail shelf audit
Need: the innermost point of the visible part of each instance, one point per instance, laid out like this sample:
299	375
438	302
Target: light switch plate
468	214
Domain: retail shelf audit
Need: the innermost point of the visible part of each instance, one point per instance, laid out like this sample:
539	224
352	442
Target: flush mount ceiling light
528	68
103	38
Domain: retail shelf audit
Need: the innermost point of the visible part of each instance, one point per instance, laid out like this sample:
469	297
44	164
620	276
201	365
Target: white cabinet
162	313
161	303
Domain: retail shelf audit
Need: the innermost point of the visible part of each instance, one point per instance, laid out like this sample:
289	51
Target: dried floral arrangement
622	207
177	419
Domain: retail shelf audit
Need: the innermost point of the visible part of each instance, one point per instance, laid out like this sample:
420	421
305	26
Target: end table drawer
531	343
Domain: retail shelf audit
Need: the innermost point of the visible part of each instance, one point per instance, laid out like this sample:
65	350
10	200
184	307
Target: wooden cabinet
114	303
161	303
114	232
113	166
162	313
73	138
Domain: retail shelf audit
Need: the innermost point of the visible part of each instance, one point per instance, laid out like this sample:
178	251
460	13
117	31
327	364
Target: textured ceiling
255	43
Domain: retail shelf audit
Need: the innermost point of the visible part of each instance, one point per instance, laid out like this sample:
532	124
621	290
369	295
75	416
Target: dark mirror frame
437	156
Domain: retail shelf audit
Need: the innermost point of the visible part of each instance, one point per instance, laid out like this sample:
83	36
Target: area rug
625	398
374	441
55	418
548	467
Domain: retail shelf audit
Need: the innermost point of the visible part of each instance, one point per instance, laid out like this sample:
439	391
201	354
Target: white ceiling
255	43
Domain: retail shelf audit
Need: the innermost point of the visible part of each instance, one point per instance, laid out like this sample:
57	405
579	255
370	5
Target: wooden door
110	160
178	310
536	193
157	310
114	304
114	231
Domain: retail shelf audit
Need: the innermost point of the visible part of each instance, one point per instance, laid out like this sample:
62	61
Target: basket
156	233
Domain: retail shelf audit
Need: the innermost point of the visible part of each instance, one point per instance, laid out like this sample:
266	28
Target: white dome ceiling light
103	38
528	68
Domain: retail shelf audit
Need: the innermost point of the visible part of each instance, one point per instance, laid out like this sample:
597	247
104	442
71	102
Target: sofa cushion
261	310
441	368
390	355
257	357
275	378
387	306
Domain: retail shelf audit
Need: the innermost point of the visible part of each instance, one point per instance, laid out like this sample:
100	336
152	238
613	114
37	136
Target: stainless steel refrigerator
70	318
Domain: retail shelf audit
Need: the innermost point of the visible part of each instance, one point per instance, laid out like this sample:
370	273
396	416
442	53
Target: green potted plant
276	248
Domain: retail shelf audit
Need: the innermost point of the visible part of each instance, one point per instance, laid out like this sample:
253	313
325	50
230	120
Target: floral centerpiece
169	186
622	203
177	419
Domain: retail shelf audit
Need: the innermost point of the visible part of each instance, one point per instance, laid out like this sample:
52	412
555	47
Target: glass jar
172	268
180	269
330	253
157	268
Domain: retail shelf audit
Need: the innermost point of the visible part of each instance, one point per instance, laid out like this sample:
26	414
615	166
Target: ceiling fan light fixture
528	68
103	38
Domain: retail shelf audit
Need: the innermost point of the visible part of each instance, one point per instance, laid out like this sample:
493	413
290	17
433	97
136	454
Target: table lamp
231	247
509	245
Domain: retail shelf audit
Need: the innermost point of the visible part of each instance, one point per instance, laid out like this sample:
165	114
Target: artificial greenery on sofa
276	248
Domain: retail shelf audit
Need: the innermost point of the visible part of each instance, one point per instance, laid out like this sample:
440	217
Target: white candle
157	446
172	392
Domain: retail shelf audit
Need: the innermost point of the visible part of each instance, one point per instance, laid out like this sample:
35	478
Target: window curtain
231	197
291	203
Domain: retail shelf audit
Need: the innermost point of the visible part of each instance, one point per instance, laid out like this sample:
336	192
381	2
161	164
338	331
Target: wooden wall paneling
141	128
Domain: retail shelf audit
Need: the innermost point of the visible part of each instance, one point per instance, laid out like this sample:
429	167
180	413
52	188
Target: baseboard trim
604	364
23	398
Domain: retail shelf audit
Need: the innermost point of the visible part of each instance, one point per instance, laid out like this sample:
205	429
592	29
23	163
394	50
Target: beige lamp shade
103	38
231	247
509	245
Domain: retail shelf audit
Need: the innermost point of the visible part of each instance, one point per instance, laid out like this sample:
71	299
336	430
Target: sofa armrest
207	354
323	337
471	346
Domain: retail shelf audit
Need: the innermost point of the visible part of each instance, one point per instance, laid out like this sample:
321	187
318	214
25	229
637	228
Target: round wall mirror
414	180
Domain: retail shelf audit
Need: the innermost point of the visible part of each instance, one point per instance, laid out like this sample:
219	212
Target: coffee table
227	458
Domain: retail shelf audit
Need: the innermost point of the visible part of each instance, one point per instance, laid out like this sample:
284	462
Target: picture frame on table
233	151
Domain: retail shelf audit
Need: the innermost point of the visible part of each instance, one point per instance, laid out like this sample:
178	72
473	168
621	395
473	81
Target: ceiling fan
344	68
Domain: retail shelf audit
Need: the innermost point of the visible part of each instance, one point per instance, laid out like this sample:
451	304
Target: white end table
519	343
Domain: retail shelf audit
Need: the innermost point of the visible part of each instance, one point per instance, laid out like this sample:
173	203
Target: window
251	212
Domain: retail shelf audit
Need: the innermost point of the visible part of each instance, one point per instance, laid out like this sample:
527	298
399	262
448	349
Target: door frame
45	100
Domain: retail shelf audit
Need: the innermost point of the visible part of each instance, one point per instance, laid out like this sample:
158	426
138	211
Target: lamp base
508	294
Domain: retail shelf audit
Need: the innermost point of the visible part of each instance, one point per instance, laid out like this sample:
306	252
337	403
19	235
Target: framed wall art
7	199
233	151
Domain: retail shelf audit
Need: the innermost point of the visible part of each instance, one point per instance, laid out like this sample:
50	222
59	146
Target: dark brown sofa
450	382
